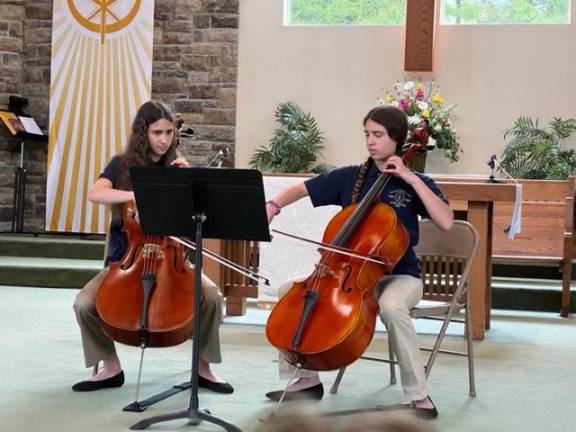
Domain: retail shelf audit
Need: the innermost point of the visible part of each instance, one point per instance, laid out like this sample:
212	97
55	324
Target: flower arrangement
426	113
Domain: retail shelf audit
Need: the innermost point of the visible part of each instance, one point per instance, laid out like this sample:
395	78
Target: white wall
493	73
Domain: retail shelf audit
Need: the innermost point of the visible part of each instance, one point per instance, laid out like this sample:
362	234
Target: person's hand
395	166
180	162
270	213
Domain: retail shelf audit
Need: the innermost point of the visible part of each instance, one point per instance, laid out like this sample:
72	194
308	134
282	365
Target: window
344	12
505	12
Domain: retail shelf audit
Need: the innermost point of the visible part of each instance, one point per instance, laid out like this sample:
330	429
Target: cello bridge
152	251
324	270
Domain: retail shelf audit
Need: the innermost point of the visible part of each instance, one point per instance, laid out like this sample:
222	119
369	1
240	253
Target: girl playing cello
153	133
410	195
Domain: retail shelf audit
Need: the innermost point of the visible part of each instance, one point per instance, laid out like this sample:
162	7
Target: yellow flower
419	85
390	98
437	99
426	113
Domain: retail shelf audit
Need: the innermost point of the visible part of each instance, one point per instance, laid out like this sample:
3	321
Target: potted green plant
539	153
295	146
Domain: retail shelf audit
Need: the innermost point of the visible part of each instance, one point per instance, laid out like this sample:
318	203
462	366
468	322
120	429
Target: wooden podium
477	198
236	288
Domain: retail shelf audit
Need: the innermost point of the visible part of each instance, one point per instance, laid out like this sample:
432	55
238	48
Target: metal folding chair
446	261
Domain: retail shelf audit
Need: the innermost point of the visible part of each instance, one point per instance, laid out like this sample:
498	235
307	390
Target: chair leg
438	343
566	285
336	384
95	369
392	362
470	346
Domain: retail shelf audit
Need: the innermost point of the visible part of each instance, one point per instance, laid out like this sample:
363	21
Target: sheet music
30	125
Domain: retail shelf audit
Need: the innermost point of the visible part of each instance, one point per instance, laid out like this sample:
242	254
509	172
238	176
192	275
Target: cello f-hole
348	270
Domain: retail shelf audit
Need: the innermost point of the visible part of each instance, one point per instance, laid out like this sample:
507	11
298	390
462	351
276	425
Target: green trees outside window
506	12
346	12
393	12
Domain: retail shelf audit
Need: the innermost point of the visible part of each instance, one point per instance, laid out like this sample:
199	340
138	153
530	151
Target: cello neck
361	210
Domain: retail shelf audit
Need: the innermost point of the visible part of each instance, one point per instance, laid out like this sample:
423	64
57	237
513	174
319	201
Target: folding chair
446	261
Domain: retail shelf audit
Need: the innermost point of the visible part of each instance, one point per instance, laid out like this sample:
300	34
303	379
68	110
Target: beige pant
98	346
396	295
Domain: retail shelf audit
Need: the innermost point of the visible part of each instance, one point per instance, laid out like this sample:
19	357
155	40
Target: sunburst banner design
101	73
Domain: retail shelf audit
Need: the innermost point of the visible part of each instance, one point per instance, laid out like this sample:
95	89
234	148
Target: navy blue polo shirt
335	188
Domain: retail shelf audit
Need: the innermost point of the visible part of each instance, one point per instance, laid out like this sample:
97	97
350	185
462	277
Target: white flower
409	85
395	104
438	128
422	105
414	120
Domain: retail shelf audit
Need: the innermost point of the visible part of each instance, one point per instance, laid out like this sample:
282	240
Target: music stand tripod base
194	417
140	406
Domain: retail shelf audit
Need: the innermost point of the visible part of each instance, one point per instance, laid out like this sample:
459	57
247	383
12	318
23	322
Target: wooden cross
419	45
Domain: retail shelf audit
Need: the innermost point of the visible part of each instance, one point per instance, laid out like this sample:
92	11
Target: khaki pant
396	295
98	346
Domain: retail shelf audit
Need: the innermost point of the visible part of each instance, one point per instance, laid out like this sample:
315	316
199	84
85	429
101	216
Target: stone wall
194	72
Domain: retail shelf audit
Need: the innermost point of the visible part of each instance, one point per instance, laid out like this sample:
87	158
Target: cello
326	321
147	298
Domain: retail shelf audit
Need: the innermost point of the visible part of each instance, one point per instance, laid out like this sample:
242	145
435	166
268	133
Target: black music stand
199	202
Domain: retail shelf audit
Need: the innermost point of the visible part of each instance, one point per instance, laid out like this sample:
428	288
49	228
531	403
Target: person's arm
103	192
285	197
440	213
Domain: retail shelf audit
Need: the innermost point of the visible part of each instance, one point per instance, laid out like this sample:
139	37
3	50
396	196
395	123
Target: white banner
101	73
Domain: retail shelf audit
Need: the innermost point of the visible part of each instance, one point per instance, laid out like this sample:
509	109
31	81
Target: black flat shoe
218	387
425	413
86	386
311	393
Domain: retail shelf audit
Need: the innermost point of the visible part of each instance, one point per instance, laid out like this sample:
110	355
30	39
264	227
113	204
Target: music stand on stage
199	202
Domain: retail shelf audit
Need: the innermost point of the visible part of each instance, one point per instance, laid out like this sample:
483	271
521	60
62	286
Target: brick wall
194	72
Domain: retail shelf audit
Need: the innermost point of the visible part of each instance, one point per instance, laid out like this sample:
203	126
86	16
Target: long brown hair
396	124
138	151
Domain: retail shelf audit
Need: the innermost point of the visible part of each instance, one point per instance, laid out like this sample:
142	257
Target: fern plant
538	153
295	146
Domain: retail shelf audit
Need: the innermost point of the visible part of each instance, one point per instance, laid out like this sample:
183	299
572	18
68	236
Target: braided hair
361	174
396	124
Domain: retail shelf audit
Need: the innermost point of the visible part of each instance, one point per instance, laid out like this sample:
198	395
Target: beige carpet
525	375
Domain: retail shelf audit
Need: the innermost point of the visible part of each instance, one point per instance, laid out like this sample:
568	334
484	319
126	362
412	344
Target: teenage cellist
153	133
410	194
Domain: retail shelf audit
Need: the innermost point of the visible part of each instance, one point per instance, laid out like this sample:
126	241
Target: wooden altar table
477	198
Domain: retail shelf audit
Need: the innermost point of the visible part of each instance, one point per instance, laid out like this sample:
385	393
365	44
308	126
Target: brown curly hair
138	151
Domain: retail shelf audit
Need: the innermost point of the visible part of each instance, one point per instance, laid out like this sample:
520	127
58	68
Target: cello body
333	330
147	298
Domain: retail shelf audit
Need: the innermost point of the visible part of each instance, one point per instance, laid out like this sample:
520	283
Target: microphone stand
492	162
222	155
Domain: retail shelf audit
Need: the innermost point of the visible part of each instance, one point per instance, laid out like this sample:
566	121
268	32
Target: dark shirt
116	240
335	188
